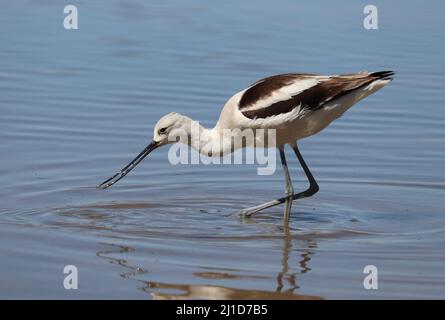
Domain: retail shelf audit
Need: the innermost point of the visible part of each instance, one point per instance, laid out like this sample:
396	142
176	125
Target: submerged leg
313	187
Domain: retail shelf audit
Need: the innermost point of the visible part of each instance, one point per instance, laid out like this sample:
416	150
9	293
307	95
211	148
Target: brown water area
76	106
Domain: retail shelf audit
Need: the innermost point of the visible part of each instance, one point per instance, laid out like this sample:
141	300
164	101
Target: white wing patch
284	93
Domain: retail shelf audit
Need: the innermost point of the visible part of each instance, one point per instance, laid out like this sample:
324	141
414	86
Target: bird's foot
249	211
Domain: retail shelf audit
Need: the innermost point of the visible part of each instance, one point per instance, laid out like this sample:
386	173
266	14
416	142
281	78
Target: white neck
208	141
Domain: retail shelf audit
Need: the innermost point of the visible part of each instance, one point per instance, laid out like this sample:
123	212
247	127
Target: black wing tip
384	75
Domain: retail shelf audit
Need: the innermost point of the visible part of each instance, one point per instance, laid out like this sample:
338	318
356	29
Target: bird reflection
121	262
285	276
286	279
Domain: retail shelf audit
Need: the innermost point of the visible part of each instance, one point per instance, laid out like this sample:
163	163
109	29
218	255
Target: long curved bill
109	182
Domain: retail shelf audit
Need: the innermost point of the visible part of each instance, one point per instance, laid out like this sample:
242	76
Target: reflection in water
121	262
216	293
162	290
305	257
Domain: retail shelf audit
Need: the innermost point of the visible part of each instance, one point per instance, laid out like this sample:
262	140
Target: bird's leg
288	189
313	186
249	211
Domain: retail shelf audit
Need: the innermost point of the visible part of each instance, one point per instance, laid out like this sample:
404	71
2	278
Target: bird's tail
383	75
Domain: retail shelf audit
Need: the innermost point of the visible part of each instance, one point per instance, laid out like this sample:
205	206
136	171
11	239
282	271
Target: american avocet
296	105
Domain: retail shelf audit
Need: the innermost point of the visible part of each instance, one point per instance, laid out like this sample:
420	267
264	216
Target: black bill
109	182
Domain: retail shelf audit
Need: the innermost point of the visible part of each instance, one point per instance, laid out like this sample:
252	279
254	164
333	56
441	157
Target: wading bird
295	105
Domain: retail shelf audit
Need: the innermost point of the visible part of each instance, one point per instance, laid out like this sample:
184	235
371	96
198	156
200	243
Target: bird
294	105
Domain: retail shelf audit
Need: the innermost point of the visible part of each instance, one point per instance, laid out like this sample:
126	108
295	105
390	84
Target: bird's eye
162	130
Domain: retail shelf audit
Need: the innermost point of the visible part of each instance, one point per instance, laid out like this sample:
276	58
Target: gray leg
313	187
289	191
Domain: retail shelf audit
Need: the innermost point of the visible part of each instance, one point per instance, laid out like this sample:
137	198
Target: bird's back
299	103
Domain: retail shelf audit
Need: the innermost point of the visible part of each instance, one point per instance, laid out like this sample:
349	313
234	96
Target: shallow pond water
78	105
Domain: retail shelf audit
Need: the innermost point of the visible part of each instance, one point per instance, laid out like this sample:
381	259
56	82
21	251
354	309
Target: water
78	105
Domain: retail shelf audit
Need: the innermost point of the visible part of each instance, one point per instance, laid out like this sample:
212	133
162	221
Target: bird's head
169	129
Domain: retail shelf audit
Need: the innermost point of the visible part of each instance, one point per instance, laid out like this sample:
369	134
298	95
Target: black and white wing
281	94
